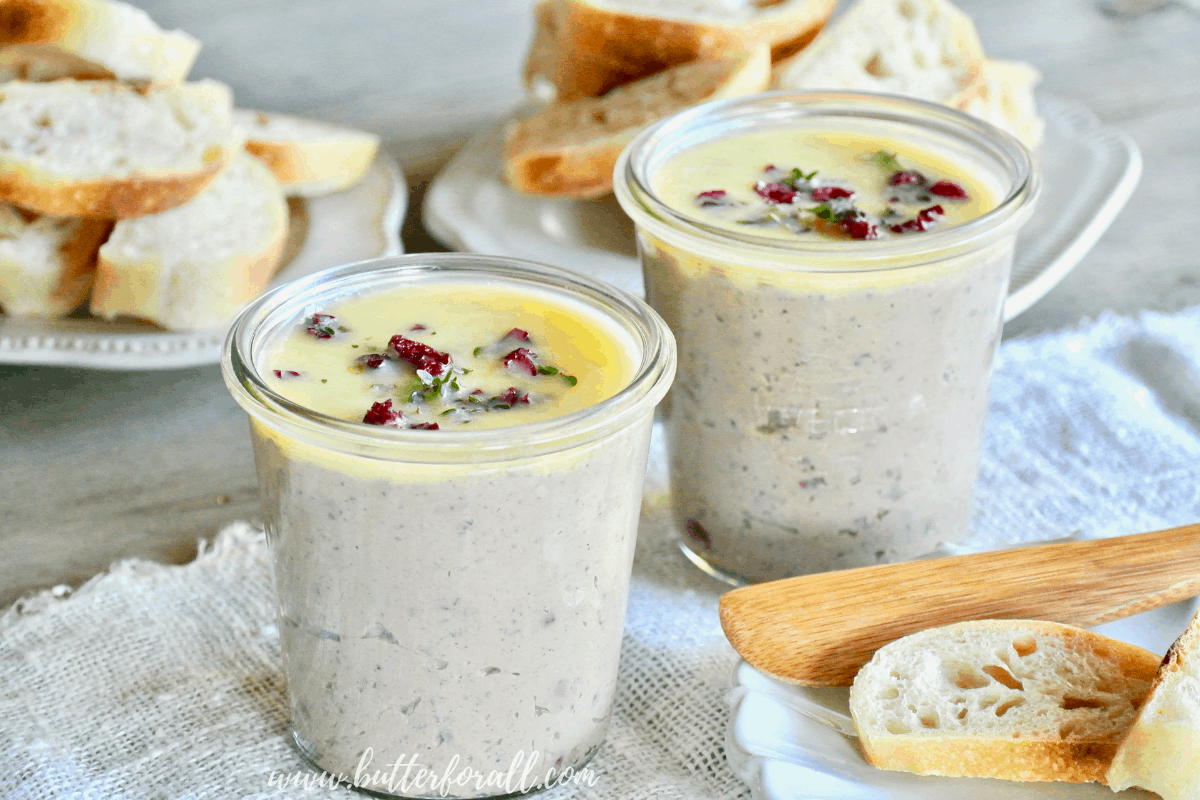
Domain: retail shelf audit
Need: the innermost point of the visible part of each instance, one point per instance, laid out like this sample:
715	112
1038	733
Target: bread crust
34	21
109	198
599	48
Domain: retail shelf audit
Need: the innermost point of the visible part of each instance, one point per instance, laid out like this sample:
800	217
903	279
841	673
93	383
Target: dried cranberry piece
426	426
774	192
860	229
417	327
421	356
906	179
947	189
512	396
921	222
717	197
318	326
382	414
291	373
522	358
374	360
696	533
518	334
826	193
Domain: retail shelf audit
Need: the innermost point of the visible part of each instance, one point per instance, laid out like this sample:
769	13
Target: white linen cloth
157	681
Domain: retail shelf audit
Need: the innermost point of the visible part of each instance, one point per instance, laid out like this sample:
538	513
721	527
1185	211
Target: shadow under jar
836	331
450	597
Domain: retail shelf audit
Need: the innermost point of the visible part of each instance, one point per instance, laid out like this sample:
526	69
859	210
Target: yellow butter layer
733	164
453	317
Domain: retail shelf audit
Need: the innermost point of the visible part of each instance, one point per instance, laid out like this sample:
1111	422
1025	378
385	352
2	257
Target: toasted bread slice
1162	750
1011	699
309	158
46	263
570	149
117	36
105	149
193	267
586	48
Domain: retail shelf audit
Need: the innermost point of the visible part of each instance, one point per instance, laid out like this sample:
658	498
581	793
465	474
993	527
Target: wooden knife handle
817	630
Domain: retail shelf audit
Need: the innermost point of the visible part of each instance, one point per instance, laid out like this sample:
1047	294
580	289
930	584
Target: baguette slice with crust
1011	699
571	149
585	48
1002	94
193	267
105	149
309	158
114	35
1162	750
46	263
927	49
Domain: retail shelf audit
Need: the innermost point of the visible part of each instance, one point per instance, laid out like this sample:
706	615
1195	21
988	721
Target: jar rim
637	198
256	323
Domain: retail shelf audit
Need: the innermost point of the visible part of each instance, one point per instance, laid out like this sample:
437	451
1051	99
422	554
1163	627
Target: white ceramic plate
796	743
1089	170
361	222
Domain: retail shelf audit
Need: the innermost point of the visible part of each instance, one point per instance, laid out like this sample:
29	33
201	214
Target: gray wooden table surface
96	466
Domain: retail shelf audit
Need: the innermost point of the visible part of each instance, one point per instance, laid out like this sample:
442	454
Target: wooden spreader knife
817	630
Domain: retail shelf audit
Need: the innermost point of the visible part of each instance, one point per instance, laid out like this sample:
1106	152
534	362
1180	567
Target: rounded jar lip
632	185
257	322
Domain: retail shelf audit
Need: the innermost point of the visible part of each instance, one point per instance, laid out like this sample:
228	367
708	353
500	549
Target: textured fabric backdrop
164	681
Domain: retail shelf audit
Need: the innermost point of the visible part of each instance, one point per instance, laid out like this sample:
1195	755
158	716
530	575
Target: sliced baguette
1002	94
117	36
1162	750
1011	699
105	149
570	149
46	263
585	48
40	62
193	267
927	49
309	158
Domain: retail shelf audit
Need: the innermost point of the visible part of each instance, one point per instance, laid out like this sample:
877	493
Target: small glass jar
831	394
452	598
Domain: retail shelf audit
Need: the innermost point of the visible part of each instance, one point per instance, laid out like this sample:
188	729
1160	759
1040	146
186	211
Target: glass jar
451	598
831	394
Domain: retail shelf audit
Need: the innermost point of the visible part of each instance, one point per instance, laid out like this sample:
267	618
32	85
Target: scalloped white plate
1090	170
361	222
798	743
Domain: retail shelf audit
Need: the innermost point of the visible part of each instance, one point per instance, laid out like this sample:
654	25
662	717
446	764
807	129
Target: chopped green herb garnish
545	370
824	212
570	379
354	345
886	160
478	350
324	380
343	329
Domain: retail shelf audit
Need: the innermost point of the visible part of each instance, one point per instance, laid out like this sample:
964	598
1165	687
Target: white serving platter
358	223
798	743
1089	172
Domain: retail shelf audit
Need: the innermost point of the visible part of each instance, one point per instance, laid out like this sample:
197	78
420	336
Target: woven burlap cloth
157	681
